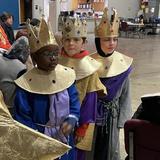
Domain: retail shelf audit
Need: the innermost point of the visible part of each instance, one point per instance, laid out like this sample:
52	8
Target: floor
145	77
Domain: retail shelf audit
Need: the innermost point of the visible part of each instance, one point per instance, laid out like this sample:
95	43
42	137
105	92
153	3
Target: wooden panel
22	14
98	6
74	4
81	1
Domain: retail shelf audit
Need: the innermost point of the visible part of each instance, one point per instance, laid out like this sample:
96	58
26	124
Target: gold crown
40	36
107	28
74	27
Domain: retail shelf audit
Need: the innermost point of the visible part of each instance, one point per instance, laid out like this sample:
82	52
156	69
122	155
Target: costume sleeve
95	84
23	111
125	109
74	102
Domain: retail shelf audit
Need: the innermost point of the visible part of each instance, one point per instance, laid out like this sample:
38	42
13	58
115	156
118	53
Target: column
54	11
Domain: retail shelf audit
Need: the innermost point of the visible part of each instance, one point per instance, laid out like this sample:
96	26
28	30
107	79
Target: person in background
74	34
24	32
46	97
22	29
12	65
141	19
115	108
4	42
35	22
7	22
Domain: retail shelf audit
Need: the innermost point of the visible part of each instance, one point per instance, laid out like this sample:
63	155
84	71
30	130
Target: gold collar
42	82
114	65
83	67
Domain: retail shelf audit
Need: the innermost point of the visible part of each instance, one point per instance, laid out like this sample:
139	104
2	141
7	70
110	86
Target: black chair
124	28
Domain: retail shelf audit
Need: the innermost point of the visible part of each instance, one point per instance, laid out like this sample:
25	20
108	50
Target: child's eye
76	39
106	40
115	39
67	39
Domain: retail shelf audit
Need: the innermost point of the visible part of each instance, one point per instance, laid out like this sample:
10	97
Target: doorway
25	10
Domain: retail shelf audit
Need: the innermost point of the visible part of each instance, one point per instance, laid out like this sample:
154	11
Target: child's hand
66	128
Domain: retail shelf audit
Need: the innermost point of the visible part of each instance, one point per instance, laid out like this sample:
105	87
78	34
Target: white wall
65	5
49	8
159	12
40	7
37	8
46	9
106	3
54	10
125	8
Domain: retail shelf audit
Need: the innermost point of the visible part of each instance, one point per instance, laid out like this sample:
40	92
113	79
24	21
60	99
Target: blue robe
33	109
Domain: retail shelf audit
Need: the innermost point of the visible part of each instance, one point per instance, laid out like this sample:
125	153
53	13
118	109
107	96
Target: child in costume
46	97
115	108
74	34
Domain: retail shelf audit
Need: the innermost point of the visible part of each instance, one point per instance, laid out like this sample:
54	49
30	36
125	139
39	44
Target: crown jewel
40	37
107	28
74	27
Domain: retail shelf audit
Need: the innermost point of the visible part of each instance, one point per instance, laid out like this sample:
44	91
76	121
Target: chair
125	28
142	140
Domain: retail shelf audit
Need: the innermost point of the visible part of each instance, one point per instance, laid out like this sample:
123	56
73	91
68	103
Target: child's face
72	46
47	60
108	44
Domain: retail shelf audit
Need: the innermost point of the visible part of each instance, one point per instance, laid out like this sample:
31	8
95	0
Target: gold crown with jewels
40	36
74	27
107	27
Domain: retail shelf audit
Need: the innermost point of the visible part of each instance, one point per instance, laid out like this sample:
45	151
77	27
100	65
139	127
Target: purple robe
58	112
87	115
88	108
113	84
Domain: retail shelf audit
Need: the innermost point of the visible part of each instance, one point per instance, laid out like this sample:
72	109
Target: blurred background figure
12	65
22	29
7	22
35	22
4	42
